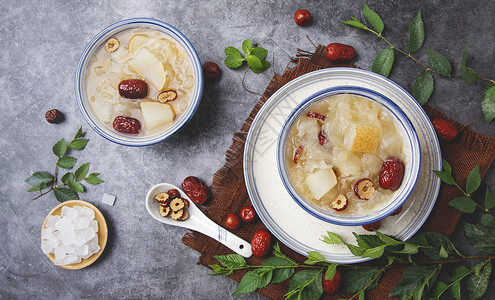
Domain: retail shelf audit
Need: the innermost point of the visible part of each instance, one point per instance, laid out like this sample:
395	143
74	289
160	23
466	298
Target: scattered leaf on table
423	87
416	33
373	18
383	62
439	62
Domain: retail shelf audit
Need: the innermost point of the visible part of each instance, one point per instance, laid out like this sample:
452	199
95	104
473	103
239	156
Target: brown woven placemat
230	194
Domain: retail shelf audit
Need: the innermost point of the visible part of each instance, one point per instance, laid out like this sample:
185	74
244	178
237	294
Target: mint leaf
64	194
332	238
413	277
387	239
314	257
66	162
254	62
356	280
463	204
93	179
476	284
368	241
445	177
78	144
259	52
459	273
219	270
307	284
281	274
473	180
383	62
373	18
252	281
481	237
354	23
231	260
488	220
39	178
489	199
247	46
488	103
82	171
439	62
265	66
423	87
234	58
408	249
331	271
76	187
60	148
374	252
68	177
79	133
416	33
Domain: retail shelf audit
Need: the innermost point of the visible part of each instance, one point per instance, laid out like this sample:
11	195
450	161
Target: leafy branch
424	84
44	182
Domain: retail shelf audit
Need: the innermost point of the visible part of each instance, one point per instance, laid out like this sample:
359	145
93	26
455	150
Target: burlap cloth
230	194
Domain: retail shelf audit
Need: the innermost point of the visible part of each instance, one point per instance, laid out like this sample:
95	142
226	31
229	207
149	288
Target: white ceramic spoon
197	221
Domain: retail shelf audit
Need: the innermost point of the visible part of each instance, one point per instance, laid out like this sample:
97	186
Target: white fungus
72	236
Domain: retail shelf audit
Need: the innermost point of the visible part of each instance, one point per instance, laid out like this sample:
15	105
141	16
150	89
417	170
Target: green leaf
308	283
76	187
234	58
314	257
219	270
331	271
481	237
66	162
265	65
93	179
488	220
78	144
354	23
439	289
459	273
79	133
439	62
247	46
463	204
469	75
231	260
38	178
373	18
281	274
60	148
408	249
332	238
489	199
477	284
260	52
423	87
82	171
252	281
355	280
488	103
445	177
68	177
33	189
443	253
383	62
64	194
438	241
473	180
368	241
374	252
254	62
412	278
416	33
446	166
387	239
355	250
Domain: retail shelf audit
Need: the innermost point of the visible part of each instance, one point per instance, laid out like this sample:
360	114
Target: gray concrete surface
40	44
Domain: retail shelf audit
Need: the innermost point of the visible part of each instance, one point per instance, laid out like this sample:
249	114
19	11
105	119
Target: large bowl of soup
138	82
348	155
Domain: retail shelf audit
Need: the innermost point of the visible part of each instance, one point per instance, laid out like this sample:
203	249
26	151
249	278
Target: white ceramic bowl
412	153
97	43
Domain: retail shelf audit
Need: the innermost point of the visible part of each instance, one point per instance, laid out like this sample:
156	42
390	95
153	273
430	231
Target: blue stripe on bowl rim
413	165
364	77
98	41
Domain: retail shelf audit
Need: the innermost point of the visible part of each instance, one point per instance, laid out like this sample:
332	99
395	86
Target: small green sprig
255	57
44	182
439	64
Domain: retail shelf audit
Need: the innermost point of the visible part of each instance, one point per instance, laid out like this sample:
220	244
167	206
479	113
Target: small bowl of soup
348	156
138	82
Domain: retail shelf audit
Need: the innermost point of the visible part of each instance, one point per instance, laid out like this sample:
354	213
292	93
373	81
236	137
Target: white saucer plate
292	225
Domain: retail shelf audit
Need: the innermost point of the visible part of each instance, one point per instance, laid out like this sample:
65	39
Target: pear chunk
321	182
156	114
148	66
137	41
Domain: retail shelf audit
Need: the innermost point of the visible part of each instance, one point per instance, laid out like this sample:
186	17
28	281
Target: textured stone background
40	44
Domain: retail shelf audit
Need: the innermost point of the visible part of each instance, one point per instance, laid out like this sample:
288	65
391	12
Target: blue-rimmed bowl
97	43
412	158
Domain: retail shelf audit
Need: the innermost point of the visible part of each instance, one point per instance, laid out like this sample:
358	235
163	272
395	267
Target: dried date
127	125
133	88
196	190
340	53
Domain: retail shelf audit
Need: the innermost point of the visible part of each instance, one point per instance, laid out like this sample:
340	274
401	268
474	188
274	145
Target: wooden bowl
102	232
